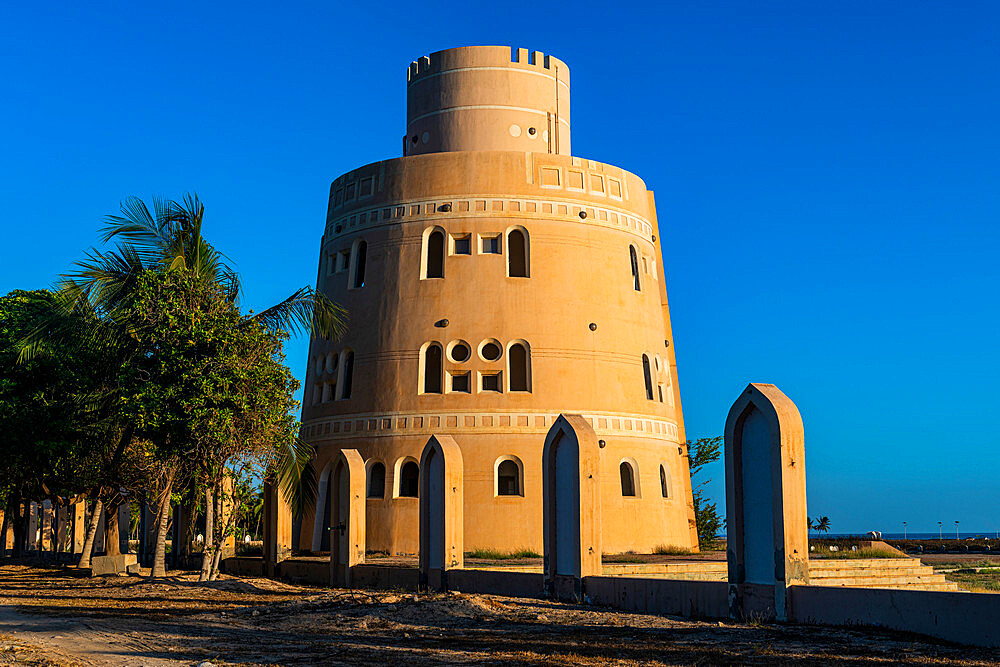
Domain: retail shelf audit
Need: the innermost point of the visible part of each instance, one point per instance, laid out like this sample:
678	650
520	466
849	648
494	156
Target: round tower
494	282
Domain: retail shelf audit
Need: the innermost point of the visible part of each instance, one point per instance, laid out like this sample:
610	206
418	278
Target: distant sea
945	535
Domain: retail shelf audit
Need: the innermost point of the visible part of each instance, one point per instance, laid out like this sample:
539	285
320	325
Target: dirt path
54	617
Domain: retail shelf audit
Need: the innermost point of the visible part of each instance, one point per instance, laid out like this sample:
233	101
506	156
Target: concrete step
946	586
860	563
875	582
882	572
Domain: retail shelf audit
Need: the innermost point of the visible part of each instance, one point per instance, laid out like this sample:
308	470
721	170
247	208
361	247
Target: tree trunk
8	511
90	538
112	540
162	519
206	548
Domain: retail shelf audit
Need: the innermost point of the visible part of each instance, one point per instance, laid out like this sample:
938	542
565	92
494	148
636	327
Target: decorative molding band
414	423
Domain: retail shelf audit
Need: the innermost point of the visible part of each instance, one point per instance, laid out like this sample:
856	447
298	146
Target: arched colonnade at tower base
767	550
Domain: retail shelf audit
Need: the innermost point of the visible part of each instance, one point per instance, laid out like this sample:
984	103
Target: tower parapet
487	98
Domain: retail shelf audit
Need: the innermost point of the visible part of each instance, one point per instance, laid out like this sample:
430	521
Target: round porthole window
425	137
515	130
532	131
459	351
490	350
414	139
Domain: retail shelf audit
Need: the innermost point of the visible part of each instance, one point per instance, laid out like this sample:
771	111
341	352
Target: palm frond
295	474
306	310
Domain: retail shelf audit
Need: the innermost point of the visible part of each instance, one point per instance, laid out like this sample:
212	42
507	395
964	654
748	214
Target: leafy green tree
708	523
215	381
165	239
55	438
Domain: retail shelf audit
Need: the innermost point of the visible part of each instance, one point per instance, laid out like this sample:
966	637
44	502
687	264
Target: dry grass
847	554
484	553
671	550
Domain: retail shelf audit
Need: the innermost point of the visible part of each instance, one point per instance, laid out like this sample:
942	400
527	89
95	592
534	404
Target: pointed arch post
442	521
347	516
571	500
768	542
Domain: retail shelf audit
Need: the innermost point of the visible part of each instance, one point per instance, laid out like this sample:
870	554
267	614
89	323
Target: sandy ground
50	616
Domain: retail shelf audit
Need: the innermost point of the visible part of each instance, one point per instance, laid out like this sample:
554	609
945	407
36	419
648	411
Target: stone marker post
571	502
768	542
347	516
277	530
442	500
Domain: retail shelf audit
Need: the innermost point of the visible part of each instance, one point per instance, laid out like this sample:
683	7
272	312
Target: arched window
664	480
360	260
517	253
635	266
434	254
348	375
509	477
647	376
628	478
376	480
432	367
519	367
409	480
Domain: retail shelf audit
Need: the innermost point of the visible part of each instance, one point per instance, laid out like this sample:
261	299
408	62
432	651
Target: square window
491	245
342	259
460	383
349	192
490	382
461	245
366	187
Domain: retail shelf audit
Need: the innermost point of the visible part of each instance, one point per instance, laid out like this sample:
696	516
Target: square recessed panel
490	382
490	245
462	245
461	383
574	180
550	177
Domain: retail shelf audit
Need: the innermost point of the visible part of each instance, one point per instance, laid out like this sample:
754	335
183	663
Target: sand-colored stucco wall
580	275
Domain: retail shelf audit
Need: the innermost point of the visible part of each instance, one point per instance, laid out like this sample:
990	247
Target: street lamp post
904	530
956	530
939	530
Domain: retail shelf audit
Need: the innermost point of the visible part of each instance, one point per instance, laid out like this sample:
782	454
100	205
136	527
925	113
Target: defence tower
495	281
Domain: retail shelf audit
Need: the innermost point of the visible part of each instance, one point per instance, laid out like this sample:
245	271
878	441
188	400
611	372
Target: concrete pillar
45	526
147	532
64	522
442	508
78	518
33	526
277	530
768	541
347	516
99	536
571	505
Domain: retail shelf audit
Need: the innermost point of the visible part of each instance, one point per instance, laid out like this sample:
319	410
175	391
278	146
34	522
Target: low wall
491	582
385	577
964	618
241	566
672	597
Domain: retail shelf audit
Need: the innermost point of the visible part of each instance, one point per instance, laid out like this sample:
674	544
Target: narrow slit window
520	368
628	478
376	481
435	254
432	369
348	374
359	265
517	254
635	268
647	377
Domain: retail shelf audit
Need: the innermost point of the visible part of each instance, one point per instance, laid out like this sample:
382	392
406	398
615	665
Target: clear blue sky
826	176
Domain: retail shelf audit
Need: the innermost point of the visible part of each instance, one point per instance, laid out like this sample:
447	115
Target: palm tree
823	524
168	238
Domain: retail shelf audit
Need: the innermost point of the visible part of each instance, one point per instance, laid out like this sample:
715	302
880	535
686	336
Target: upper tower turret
487	98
